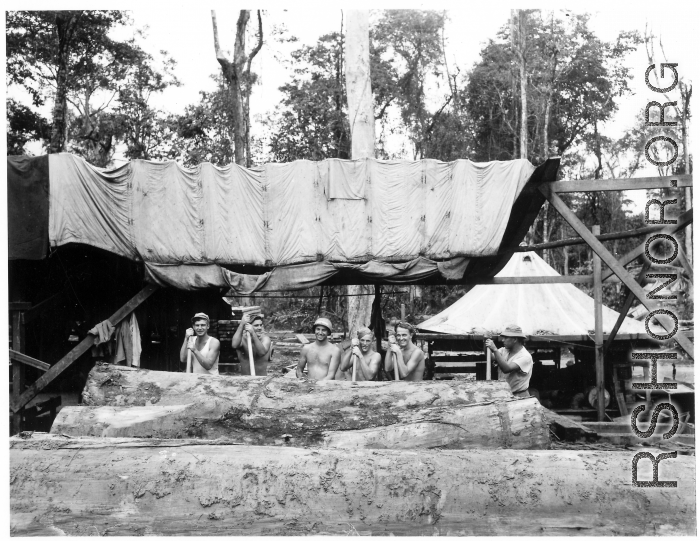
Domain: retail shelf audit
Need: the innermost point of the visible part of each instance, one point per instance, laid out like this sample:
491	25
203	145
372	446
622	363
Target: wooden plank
302	339
598	324
685	263
29	361
618	184
19	402
568	429
614	265
683	220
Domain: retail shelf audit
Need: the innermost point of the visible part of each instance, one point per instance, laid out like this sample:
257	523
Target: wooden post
403	312
17	368
251	358
615	265
34	389
598	310
378	317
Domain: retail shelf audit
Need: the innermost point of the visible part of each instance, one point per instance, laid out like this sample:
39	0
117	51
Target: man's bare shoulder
214	341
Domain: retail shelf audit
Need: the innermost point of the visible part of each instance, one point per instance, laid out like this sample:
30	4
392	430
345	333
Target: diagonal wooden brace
78	350
611	262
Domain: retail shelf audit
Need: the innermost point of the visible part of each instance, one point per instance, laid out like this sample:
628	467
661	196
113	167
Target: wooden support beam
598	324
625	308
639	232
685	263
683	220
29	361
17	368
619	184
19	402
613	263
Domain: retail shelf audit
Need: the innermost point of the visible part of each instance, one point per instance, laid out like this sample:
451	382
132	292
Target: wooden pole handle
188	369
396	366
488	364
250	355
354	367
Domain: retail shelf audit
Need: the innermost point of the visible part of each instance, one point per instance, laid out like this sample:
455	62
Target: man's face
365	343
403	337
509	341
258	326
321	333
200	327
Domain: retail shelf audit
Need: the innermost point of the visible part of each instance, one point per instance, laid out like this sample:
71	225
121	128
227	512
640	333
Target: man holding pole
513	359
405	357
199	350
361	358
260	344
322	357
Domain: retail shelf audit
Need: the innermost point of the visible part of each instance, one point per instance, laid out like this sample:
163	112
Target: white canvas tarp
334	211
540	309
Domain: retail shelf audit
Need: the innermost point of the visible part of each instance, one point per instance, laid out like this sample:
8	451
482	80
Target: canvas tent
280	226
540	309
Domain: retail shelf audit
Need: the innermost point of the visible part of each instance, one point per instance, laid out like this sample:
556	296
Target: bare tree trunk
545	232
65	25
361	118
519	42
237	75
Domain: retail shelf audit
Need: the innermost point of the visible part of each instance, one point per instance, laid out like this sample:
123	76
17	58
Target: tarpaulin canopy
540	309
296	224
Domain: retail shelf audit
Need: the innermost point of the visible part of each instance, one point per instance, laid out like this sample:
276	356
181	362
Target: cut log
113	385
276	411
519	424
145	487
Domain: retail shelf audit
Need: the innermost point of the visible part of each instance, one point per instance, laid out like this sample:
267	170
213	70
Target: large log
113	385
518	424
277	411
192	487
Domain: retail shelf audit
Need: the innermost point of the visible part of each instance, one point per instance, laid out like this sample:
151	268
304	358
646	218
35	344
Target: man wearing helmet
367	361
320	357
513	359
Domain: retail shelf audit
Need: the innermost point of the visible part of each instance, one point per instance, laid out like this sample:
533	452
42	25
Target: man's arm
388	361
346	363
414	361
207	361
259	346
369	370
501	358
333	367
400	363
302	361
183	349
237	339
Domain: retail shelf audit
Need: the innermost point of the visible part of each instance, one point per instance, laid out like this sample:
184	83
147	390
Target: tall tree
240	79
361	117
52	53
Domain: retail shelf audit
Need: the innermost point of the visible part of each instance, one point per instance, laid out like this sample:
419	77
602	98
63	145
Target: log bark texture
518	424
279	411
146	487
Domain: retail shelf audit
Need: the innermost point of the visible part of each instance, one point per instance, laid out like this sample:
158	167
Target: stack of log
155	453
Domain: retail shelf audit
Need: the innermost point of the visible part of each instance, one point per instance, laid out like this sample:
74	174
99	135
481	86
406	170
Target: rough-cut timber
276	411
146	487
519	424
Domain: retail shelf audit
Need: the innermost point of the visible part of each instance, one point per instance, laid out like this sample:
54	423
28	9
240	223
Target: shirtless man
321	356
368	361
204	348
262	345
410	360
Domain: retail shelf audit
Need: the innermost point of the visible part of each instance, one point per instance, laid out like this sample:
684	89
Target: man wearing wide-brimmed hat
513	359
204	348
320	357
